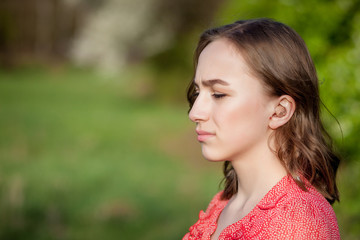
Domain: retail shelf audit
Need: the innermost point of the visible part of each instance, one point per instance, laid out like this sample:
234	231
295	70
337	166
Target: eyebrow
211	82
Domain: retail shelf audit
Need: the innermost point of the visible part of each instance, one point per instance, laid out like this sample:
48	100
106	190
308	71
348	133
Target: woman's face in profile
231	110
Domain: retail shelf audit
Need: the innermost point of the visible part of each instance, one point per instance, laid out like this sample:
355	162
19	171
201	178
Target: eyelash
218	95
215	95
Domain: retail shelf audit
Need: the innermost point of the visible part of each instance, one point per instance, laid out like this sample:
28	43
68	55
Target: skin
234	119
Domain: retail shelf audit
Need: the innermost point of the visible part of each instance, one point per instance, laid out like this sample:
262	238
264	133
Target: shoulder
304	215
206	223
215	201
216	205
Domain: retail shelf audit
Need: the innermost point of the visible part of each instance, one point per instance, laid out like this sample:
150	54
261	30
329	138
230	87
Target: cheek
246	115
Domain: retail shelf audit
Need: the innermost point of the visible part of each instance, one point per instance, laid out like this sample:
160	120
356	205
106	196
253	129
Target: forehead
220	60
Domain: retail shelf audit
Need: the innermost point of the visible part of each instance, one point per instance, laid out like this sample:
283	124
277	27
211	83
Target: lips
203	135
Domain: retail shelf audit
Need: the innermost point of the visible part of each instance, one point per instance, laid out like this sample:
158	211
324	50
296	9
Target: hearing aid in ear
280	110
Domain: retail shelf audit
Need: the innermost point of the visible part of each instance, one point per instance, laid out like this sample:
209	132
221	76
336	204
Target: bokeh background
95	142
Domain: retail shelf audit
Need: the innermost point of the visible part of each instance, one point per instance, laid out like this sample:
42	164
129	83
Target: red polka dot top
285	212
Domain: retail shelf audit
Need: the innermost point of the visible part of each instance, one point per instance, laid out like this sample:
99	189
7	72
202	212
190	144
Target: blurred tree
127	31
37	29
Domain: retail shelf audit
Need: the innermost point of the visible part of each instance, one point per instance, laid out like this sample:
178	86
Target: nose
200	110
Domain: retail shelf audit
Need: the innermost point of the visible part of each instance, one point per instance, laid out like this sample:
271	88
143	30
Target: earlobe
283	111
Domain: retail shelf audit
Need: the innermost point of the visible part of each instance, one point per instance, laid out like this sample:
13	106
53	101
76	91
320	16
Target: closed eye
218	95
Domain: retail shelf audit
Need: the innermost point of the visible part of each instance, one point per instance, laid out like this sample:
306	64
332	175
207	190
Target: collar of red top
277	192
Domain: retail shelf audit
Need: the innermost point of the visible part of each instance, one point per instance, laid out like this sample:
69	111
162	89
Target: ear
284	108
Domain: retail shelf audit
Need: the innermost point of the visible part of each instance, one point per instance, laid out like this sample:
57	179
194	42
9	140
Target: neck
257	173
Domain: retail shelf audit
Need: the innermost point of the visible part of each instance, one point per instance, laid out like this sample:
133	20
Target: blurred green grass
83	157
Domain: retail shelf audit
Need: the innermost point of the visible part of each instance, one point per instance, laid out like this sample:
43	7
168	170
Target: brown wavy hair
278	56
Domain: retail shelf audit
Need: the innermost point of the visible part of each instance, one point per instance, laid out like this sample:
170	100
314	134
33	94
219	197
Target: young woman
255	101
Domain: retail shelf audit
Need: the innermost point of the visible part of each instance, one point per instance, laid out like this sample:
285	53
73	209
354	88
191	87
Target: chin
212	157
